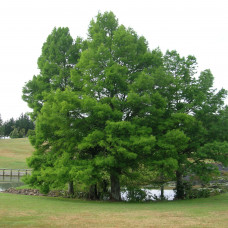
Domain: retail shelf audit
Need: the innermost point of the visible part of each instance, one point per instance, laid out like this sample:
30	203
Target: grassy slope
37	211
13	153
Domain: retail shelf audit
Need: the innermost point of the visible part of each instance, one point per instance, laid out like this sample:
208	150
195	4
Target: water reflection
7	182
7	185
152	194
10	179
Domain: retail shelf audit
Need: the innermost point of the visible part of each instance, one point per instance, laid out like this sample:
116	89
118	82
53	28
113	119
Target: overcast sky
192	27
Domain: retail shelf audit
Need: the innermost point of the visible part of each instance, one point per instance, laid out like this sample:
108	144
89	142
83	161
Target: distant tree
14	133
17	128
9	127
24	123
1	127
17	133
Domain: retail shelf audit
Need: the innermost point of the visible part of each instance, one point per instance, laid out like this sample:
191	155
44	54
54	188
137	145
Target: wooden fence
14	173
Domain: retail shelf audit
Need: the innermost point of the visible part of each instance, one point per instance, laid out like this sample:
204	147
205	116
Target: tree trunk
162	186
104	186
162	192
71	188
93	195
179	185
115	188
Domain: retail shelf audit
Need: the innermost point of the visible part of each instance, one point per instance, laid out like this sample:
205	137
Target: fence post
11	174
18	177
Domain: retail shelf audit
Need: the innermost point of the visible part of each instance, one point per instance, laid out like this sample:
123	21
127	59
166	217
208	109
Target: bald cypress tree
108	105
102	122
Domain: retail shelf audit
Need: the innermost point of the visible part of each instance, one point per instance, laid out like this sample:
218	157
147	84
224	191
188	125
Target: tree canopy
107	106
59	54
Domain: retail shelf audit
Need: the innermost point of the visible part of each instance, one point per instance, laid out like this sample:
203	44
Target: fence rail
12	173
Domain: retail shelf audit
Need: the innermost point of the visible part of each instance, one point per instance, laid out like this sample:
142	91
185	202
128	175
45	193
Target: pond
7	182
169	194
7	185
10	179
152	194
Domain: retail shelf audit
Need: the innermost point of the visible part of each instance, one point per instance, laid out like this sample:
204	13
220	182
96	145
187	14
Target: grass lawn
13	153
38	211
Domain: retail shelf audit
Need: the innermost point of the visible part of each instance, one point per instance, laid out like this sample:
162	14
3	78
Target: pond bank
169	194
33	192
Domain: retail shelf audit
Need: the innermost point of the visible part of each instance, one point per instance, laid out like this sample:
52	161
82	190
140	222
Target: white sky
196	27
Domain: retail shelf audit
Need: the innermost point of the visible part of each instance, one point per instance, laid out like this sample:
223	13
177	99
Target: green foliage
191	193
17	133
59	54
135	194
189	122
108	106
